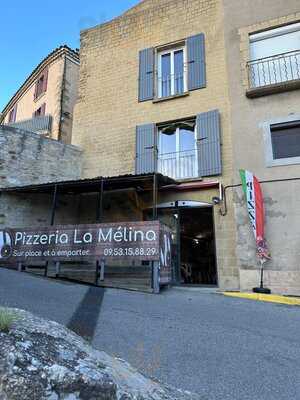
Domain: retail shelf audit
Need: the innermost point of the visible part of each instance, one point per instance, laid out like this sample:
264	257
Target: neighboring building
153	97
263	54
45	102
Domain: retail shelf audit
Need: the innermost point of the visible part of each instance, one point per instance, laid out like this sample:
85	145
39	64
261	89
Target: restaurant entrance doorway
193	244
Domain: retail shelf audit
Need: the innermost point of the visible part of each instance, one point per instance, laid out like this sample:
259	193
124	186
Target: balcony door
171	72
177	151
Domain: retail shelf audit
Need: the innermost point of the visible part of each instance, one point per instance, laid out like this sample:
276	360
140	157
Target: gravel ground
220	347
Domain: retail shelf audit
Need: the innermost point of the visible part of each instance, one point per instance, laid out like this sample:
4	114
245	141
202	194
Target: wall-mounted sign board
144	241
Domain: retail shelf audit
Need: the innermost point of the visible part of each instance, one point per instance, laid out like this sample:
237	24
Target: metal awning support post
54	202
155	264
99	211
99	216
53	209
154	197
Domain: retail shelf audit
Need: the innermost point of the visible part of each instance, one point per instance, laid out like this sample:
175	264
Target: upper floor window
171	72
286	140
177	150
274	56
182	149
41	84
283	143
12	115
40	112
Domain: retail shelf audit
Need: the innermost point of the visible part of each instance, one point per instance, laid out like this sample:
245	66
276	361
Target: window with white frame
283	143
274	56
177	150
171	72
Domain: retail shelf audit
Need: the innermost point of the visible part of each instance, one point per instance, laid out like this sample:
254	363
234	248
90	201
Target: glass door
170	217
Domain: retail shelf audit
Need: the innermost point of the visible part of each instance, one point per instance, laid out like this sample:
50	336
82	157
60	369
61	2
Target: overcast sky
31	29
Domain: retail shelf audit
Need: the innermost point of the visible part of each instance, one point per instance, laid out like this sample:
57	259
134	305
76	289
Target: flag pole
261	288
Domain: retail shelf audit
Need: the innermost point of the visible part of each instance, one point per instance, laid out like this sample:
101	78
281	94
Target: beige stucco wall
58	83
26	105
249	116
108	111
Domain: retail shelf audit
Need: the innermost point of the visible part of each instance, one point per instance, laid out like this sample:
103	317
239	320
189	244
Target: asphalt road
222	348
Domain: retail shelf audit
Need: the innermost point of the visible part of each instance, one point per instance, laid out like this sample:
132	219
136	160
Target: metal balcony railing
39	124
180	165
171	85
274	70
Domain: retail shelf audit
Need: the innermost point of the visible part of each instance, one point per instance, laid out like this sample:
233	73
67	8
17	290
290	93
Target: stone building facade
45	102
262	42
249	103
132	106
189	89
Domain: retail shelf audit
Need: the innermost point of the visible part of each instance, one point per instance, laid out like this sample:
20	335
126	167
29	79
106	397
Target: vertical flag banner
255	205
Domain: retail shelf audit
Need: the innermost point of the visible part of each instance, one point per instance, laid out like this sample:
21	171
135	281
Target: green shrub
7	318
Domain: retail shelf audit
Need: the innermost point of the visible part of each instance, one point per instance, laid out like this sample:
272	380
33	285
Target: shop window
274	56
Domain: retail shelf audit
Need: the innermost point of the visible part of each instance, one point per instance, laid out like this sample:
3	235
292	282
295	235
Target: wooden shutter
45	82
209	143
196	62
13	114
146	150
146	74
36	90
43	109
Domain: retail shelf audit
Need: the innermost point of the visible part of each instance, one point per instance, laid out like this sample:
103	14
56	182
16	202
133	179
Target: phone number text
130	251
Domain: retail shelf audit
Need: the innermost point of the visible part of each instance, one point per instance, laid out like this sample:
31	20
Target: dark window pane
286	142
166	75
178	72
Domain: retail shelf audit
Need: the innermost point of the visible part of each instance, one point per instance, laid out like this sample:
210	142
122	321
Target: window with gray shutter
146	151
196	62
146	74
209	143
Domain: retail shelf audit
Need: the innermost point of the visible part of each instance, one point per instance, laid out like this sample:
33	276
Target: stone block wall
28	210
27	158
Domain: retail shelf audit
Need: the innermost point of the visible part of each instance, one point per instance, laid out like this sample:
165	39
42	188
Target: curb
271	298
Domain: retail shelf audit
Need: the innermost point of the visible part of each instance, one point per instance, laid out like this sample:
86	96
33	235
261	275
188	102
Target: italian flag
255	206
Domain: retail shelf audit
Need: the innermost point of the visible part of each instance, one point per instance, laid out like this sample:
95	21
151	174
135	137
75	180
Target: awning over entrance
116	199
139	273
143	182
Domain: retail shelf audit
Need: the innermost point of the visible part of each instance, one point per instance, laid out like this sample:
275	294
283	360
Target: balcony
180	165
274	74
41	125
